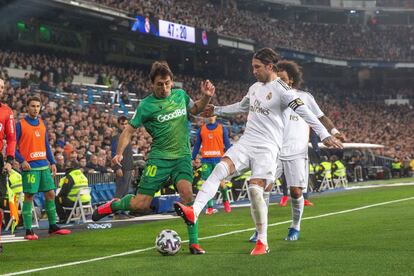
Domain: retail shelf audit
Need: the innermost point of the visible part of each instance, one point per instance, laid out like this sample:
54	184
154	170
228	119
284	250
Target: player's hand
207	88
332	142
208	111
119	173
117	160
340	136
53	169
26	166
7	167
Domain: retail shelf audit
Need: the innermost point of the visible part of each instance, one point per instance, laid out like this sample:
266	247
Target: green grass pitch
373	241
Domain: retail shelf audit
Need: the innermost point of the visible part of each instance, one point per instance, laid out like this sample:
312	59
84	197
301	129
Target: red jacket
7	130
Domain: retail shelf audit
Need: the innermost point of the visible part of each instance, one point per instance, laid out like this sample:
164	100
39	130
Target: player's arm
331	128
236	108
18	155
208	90
49	154
326	122
123	142
197	145
10	131
291	100
226	139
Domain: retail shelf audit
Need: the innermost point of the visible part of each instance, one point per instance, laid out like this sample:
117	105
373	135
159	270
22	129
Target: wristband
334	131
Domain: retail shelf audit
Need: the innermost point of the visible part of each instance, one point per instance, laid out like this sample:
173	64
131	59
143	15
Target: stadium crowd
81	133
355	41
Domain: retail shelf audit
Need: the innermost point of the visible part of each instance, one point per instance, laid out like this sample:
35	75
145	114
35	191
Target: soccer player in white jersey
259	146
293	157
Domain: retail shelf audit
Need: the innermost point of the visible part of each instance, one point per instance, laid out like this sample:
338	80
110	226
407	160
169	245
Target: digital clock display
176	31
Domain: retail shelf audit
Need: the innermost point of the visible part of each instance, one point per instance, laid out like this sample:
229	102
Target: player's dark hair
122	119
267	56
160	68
33	99
293	70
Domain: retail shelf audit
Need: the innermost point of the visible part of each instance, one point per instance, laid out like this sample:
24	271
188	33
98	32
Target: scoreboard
172	30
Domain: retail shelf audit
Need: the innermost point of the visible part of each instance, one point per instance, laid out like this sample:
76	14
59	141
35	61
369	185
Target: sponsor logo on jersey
38	154
167	117
294	118
269	96
256	107
37	133
212	153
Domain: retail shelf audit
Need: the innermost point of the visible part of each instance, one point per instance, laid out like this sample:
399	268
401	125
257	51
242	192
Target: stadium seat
341	181
327	182
78	209
243	191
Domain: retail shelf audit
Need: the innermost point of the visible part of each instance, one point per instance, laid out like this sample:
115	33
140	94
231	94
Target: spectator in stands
60	163
93	163
25	82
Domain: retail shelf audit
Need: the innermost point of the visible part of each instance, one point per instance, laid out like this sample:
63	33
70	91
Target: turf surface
371	241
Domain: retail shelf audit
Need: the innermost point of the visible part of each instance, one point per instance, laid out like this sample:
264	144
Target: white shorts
296	172
261	160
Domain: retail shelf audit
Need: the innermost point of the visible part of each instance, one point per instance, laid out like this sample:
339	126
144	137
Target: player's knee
258	182
138	205
28	197
296	192
49	195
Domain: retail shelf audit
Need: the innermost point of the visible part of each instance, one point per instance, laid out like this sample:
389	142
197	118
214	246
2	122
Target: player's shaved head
293	70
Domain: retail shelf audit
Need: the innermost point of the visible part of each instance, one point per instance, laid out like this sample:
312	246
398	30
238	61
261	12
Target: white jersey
266	103
296	133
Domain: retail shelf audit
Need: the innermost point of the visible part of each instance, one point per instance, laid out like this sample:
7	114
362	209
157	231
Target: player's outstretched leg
109	208
207	192
186	212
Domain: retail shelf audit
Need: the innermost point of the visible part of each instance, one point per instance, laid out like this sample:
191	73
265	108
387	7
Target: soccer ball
168	242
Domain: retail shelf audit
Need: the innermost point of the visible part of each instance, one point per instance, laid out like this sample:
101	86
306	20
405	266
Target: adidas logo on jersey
172	115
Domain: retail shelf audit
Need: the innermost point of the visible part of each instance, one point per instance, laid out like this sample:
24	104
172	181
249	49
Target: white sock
259	211
210	187
266	196
297	211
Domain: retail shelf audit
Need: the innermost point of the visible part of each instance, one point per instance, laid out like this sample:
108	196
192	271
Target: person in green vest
322	170
15	184
73	181
396	167
338	168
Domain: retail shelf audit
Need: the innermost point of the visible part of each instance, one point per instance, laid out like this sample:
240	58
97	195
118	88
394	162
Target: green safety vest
340	169
80	181
15	183
311	169
396	165
15	180
327	166
244	176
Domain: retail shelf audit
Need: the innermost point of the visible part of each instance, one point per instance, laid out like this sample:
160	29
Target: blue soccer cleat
293	235
253	238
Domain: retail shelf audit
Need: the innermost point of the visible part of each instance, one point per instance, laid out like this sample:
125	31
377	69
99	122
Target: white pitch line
204	238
